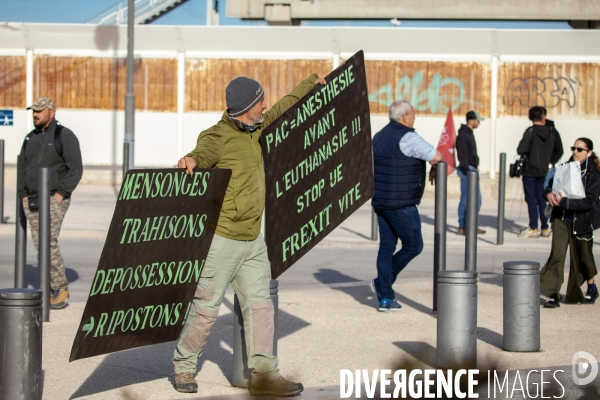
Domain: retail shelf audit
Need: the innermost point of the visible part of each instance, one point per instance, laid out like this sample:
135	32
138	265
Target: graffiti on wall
548	92
441	94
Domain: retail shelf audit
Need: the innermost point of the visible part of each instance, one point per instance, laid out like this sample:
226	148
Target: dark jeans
534	197
400	223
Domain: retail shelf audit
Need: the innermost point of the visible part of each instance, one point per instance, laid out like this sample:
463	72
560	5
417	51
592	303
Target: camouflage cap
41	103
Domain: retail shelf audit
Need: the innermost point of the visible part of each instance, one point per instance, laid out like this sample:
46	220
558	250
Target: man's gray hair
398	109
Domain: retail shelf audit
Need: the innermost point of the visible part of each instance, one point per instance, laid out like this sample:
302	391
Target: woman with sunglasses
574	223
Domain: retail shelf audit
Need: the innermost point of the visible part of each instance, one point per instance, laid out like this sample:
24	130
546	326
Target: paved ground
327	320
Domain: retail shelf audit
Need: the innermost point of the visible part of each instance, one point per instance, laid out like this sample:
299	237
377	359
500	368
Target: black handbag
515	170
34	203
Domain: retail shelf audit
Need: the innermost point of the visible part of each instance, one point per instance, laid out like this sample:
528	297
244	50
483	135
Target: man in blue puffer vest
400	157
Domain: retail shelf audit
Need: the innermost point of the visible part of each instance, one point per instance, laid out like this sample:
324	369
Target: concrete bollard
457	320
241	373
521	302
21	352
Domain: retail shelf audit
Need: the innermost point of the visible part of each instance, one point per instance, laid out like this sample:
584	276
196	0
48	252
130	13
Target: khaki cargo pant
246	266
58	279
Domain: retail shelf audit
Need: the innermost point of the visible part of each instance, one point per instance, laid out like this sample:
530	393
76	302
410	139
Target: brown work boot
185	383
461	231
279	387
59	299
480	231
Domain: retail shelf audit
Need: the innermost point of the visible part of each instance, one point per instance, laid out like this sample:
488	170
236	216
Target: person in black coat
574	223
540	148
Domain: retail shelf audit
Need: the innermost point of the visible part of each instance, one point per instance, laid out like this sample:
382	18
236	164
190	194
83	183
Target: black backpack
58	144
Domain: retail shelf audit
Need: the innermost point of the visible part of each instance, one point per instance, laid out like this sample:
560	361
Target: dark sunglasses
579	149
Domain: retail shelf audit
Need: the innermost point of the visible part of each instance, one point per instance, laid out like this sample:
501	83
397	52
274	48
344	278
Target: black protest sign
318	164
157	243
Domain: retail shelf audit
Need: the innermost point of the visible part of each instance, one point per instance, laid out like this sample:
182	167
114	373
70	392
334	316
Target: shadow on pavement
417	306
490	337
150	363
423	352
31	275
356	288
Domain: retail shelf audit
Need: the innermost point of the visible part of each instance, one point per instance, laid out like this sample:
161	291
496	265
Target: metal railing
146	11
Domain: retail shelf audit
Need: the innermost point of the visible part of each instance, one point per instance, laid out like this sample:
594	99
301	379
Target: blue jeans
534	197
400	223
462	204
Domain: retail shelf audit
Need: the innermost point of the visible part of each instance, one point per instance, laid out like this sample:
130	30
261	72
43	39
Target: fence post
501	198
471	222
439	240
44	240
20	241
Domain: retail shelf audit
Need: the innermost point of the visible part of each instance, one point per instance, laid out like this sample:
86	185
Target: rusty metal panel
431	87
12	82
206	79
100	83
566	90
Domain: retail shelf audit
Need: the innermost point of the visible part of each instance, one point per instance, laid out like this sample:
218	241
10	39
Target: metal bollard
374	225
2	182
501	198
44	239
125	159
457	320
521	301
471	222
241	373
20	242
439	240
21	354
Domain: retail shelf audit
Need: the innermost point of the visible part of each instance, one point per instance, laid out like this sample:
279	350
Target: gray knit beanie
241	95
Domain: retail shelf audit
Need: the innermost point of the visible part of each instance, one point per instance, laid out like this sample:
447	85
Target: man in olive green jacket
238	253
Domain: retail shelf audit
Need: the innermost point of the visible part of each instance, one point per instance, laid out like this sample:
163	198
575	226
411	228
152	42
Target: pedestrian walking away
55	146
540	148
238	253
574	223
468	160
399	157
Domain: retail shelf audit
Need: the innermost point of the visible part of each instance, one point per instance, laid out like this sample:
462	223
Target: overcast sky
193	12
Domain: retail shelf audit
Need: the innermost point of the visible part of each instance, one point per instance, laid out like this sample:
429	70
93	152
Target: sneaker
185	383
279	387
386	305
530	233
591	296
375	291
552	302
59	299
545	233
461	231
480	231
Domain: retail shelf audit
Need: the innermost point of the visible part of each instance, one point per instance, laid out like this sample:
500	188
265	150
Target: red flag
447	143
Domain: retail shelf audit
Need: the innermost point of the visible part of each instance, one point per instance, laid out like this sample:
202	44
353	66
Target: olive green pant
246	266
582	268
